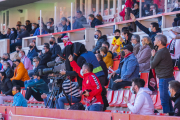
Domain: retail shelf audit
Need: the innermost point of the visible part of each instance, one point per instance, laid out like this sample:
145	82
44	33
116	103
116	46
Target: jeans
50	103
164	96
18	82
62	100
95	107
35	94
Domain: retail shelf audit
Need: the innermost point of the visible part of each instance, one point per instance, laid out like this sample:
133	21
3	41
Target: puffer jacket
99	43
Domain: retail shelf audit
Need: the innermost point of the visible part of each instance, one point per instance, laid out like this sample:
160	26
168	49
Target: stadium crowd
93	69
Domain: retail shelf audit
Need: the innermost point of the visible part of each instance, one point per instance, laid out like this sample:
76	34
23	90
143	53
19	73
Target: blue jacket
129	69
76	25
19	100
32	54
37	32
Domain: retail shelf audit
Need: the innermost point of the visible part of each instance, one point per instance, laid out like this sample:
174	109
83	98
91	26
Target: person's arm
20	74
57	52
137	105
18	101
115	48
76	68
154	61
80	61
98	45
10	86
142	27
71	73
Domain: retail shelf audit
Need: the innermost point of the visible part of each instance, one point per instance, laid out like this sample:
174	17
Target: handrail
69	31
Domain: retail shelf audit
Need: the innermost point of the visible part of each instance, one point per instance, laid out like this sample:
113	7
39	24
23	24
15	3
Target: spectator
99	17
145	10
25	60
91	87
144	55
106	44
128	3
81	18
20	74
107	57
37	32
7	35
153	10
34	27
152	31
5	87
13	35
162	63
19	99
66	41
48	28
72	92
28	26
101	39
8	70
32	52
16	55
6	58
19	23
76	24
46	56
36	88
116	44
1	35
135	10
176	6
51	20
126	36
18	28
54	48
64	28
135	40
94	22
34	44
128	69
176	21
143	103
174	90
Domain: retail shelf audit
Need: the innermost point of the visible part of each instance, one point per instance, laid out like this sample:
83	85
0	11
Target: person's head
106	44
135	39
117	33
176	30
18	27
154	26
28	22
16	62
137	83
63	21
79	14
36	61
8	30
91	17
87	68
125	33
37	76
65	39
103	51
51	20
6	65
127	49
34	25
99	17
48	25
18	48
46	44
46	49
13	30
2	75
5	56
146	40
16	89
21	54
19	23
174	86
23	27
52	40
160	40
136	5
97	34
177	3
31	46
152	7
99	57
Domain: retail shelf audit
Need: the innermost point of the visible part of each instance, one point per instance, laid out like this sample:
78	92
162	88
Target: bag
152	82
77	106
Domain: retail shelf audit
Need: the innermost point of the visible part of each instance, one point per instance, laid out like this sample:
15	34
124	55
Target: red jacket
129	3
92	83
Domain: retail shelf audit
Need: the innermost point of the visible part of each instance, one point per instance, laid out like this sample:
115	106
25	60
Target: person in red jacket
91	86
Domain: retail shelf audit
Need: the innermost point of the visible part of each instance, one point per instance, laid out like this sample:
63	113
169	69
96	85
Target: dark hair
106	43
79	12
23	52
28	21
99	32
18	88
19	47
156	25
91	15
99	17
23	26
46	44
117	30
89	66
34	24
174	85
3	74
7	63
37	58
104	49
127	28
46	47
126	32
139	82
51	19
99	56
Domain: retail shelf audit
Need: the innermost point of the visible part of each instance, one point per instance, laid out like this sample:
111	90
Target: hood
143	89
177	95
103	37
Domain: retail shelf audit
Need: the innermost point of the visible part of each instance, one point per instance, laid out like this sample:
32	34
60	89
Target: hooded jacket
6	86
143	103
99	43
45	58
176	100
19	100
56	50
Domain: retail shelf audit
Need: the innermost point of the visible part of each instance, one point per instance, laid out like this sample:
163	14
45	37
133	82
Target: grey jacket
136	48
143	58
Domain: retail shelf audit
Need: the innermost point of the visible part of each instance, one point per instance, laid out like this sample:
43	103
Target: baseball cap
176	29
128	47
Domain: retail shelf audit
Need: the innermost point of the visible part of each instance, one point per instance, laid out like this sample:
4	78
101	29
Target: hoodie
99	43
143	104
176	100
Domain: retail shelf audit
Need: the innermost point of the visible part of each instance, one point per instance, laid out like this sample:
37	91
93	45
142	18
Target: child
107	57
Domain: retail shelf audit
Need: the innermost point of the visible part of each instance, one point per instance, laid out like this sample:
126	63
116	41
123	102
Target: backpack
77	106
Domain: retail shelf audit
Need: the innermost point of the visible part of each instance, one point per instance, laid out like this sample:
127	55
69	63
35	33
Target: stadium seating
118	99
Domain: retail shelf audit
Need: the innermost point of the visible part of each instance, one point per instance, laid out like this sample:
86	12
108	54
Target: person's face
8	31
84	70
17	63
63	22
64	41
2	77
126	51
152	7
4	56
99	35
133	40
22	27
78	15
48	24
51	41
14	89
157	42
122	34
27	23
97	57
143	41
17	49
136	6
50	20
5	64
17	27
46	50
89	18
134	88
103	45
117	34
102	53
21	53
35	62
31	44
171	91
152	28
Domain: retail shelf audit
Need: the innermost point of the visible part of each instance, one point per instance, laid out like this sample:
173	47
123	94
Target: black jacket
95	22
13	36
99	43
136	13
103	65
45	58
6	36
56	50
176	100
6	86
9	72
28	28
146	30
23	34
33	31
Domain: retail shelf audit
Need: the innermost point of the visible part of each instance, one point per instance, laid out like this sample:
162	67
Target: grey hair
37	58
6	54
148	38
162	38
64	19
54	39
137	37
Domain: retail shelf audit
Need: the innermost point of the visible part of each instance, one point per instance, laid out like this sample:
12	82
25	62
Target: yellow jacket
108	60
20	73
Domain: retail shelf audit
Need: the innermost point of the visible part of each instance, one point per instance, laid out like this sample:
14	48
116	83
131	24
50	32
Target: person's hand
153	52
63	72
43	96
112	74
133	17
118	80
86	93
121	40
126	100
70	58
